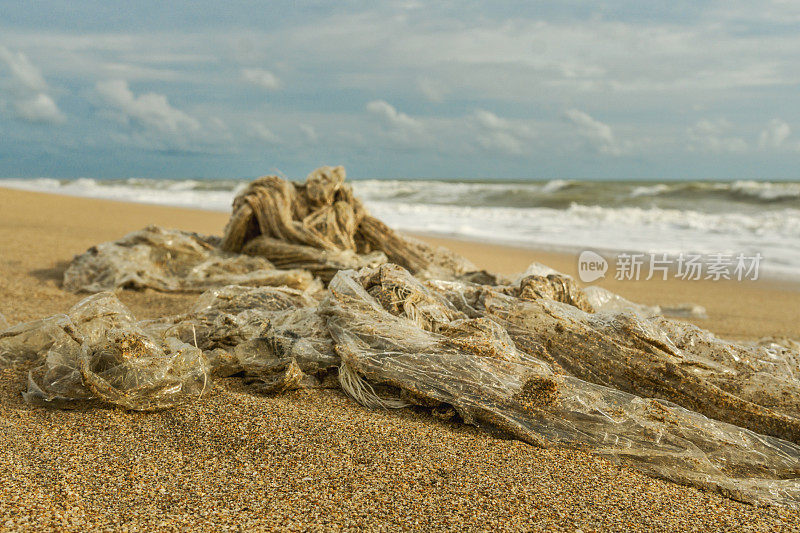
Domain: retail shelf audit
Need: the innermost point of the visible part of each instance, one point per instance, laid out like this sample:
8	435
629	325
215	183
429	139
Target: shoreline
770	269
68	225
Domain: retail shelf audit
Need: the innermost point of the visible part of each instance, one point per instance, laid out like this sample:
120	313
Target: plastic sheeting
503	362
757	387
98	353
172	260
489	382
272	334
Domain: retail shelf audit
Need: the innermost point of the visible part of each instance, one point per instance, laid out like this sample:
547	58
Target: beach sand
317	459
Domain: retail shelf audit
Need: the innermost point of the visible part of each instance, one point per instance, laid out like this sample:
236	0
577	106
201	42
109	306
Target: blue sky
502	89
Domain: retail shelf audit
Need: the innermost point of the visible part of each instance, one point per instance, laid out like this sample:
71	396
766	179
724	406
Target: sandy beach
317	459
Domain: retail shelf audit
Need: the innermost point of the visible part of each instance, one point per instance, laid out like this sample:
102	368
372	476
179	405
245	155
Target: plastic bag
258	331
743	384
537	358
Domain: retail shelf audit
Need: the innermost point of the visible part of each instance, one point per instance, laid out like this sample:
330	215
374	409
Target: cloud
263	133
309	133
262	78
151	111
775	134
40	108
28	90
713	136
22	70
391	117
445	84
154	124
599	134
500	134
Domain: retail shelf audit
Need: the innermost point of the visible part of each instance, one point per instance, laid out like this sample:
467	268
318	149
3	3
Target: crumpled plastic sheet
98	353
753	386
173	260
321	262
273	334
492	384
488	352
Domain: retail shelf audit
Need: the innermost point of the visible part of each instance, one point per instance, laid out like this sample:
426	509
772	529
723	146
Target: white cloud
468	57
154	124
263	133
713	136
392	117
151	111
309	133
25	73
500	134
775	134
39	108
28	90
599	134
262	78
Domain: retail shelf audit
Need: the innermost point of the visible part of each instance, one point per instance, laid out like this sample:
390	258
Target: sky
515	90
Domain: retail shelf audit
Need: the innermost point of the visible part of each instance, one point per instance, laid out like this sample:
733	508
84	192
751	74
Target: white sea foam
773	233
767	190
650	190
181	193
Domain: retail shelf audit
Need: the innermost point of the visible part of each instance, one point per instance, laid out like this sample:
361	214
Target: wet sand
317	459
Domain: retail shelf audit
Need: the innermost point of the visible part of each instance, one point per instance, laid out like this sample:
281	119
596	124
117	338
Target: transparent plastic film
519	394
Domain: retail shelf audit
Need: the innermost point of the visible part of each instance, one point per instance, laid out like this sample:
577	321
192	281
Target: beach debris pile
306	290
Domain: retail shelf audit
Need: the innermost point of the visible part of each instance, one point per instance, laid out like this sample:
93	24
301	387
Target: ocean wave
559	193
180	193
758	191
650	190
767	190
500	194
772	233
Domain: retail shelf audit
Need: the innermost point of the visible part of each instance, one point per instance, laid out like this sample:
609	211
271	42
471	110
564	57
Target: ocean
694	217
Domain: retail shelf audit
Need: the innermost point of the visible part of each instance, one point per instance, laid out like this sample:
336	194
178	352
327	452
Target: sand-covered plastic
172	261
307	290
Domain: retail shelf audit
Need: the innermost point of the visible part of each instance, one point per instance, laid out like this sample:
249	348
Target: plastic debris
402	323
172	260
743	384
321	226
98	353
478	371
